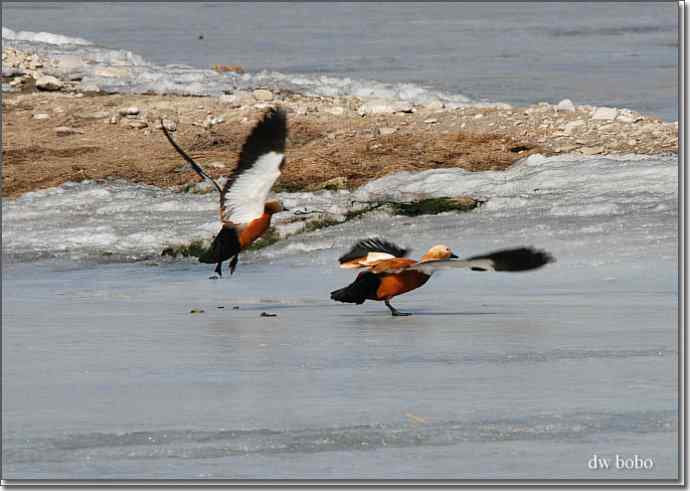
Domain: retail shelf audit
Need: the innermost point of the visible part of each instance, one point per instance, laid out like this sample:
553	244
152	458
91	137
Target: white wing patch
245	199
429	267
364	262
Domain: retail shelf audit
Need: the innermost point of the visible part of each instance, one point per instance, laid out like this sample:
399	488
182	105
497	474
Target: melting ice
597	207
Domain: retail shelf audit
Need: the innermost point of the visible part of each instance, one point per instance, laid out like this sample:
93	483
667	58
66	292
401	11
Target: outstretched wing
261	160
197	168
365	252
513	260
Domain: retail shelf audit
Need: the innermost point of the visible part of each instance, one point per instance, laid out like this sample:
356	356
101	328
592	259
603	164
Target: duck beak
453	256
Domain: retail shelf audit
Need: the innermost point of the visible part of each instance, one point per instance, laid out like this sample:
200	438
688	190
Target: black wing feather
268	136
364	247
197	168
519	259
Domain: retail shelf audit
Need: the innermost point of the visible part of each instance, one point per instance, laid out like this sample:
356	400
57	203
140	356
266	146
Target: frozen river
106	373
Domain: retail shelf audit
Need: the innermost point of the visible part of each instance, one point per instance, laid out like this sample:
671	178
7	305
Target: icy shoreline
124	222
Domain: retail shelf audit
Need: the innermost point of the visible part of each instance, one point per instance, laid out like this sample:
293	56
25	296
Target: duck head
438	252
274	206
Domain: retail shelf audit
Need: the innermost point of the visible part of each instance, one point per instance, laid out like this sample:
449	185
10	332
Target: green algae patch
434	206
319	223
428	206
195	248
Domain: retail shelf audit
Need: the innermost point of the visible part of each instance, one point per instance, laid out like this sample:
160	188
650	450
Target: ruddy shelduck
389	273
245	212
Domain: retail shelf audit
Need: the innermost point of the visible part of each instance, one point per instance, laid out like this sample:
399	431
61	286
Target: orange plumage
398	283
254	230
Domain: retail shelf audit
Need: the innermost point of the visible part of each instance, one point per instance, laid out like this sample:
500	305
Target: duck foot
395	312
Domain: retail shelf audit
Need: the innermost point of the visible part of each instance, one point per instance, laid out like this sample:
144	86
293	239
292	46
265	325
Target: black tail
363	288
197	168
520	259
225	245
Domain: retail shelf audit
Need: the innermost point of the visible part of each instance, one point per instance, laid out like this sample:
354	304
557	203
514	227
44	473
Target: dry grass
320	146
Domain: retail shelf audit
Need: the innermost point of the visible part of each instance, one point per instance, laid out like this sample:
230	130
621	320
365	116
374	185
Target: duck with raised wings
245	211
389	273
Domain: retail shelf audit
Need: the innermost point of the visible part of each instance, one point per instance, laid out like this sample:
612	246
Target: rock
220	68
335	184
70	63
111	72
435	105
301	110
478	116
131	111
211	121
335	110
115	119
503	106
94	115
41	116
238	99
572	126
591	150
138	125
384	106
263	95
628	119
169	125
216	164
186	168
605	113
566	148
387	131
49	83
566	105
431	121
67	131
89	88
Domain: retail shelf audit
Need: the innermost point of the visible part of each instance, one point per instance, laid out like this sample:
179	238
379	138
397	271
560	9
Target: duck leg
218	271
233	263
395	312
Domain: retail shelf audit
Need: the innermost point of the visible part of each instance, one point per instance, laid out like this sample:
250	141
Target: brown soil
321	145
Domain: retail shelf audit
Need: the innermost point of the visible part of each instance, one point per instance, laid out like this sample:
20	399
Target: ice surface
588	208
